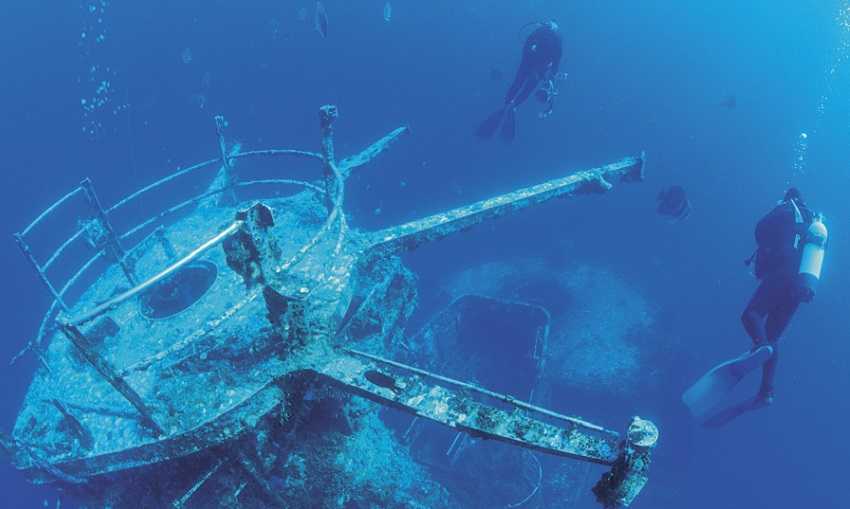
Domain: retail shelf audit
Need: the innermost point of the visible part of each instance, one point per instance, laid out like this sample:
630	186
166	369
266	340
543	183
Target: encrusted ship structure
205	356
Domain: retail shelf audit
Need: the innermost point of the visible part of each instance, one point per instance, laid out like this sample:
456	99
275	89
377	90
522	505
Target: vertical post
165	243
19	239
620	486
113	248
109	374
228	197
327	115
260	220
74	423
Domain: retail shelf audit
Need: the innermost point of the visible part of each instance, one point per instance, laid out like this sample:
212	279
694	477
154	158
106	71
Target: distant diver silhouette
541	55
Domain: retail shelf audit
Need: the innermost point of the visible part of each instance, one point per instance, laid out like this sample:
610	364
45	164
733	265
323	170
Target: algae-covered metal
174	360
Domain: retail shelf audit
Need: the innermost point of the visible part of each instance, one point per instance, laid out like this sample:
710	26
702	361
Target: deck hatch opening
178	291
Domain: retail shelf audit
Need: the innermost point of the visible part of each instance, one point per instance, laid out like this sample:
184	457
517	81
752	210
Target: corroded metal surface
191	348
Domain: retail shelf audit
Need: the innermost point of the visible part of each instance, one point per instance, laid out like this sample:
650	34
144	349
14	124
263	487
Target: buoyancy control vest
780	236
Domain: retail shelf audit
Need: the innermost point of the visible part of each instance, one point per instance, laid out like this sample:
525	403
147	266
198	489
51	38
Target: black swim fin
727	414
509	127
488	127
710	389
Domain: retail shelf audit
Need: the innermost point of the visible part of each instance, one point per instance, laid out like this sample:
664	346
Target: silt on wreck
207	355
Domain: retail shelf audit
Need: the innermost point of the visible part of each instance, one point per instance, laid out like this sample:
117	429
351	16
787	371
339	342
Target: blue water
642	76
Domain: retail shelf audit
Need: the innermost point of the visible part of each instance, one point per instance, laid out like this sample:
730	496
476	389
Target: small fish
321	19
382	380
674	203
388	12
726	100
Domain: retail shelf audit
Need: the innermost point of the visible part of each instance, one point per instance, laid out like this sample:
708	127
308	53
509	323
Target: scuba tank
812	261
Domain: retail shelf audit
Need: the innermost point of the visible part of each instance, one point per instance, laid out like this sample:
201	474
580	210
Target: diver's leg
777	321
779	317
753	321
764	300
509	127
529	87
522	75
768	372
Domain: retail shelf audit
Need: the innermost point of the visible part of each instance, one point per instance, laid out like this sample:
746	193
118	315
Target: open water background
642	76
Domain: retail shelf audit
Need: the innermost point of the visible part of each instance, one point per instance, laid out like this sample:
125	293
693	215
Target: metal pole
113	247
229	196
500	397
19	239
327	115
110	375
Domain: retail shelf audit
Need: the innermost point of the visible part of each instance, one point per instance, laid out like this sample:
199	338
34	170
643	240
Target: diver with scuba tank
791	244
541	56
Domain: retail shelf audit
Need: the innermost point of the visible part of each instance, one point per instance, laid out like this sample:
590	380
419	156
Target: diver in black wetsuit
781	235
541	56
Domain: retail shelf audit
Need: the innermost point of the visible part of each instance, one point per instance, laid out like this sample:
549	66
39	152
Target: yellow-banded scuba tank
812	261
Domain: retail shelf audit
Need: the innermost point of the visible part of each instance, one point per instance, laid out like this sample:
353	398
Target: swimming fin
727	414
488	127
710	389
509	127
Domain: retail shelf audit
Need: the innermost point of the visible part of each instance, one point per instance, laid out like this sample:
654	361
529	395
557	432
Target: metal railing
99	231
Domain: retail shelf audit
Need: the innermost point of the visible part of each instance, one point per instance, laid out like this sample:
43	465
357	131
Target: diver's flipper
727	414
710	389
488	127
509	127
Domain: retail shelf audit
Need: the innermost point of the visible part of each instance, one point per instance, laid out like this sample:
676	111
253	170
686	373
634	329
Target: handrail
43	329
276	152
112	303
271	152
160	182
327	115
79	273
307	185
334	216
50	209
61	248
148	222
171	210
190	169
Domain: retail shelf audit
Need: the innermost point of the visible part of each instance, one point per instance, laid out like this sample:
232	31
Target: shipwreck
188	357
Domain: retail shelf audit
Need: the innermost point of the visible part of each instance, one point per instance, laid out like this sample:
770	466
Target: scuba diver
541	55
548	93
791	243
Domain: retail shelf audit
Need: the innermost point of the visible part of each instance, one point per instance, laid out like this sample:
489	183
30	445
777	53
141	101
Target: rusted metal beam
74	423
228	197
353	163
110	375
181	502
415	233
455	409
